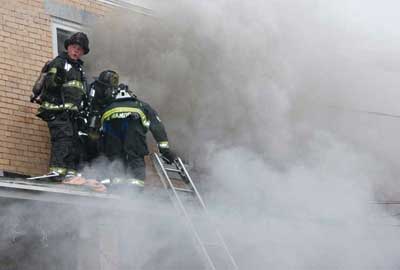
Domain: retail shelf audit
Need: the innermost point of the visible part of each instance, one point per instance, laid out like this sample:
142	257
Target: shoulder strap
62	89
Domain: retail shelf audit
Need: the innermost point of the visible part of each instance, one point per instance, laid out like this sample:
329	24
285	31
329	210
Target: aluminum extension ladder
189	203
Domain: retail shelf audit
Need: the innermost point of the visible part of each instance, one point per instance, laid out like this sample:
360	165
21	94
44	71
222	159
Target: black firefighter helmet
79	38
108	78
106	85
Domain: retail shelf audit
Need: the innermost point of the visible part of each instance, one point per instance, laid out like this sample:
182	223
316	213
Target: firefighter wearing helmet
105	85
99	95
125	121
60	101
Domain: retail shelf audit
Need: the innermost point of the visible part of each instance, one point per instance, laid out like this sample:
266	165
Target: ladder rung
175	178
179	179
183	189
172	170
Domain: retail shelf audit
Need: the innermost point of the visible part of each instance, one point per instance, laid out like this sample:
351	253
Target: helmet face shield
114	80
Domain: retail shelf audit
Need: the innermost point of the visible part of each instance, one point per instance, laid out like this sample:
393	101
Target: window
62	30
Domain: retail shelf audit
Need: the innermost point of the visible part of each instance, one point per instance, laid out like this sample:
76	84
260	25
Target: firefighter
61	99
125	121
99	95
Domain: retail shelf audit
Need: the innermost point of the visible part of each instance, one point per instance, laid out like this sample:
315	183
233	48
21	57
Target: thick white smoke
260	96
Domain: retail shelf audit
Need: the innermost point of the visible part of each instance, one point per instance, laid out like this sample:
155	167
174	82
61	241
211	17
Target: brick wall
25	45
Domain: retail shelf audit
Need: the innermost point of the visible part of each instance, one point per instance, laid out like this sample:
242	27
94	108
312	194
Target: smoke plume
268	99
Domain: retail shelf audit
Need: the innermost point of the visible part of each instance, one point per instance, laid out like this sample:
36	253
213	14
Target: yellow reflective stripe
117	181
137	182
108	115
163	144
58	170
128	181
72	172
52	70
50	106
75	84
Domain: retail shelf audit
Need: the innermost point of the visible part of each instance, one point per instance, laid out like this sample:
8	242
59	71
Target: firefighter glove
168	155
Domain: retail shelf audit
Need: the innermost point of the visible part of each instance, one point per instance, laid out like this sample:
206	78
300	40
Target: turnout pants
124	140
65	144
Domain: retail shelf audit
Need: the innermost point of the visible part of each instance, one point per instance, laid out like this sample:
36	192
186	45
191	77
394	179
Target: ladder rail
208	216
183	209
